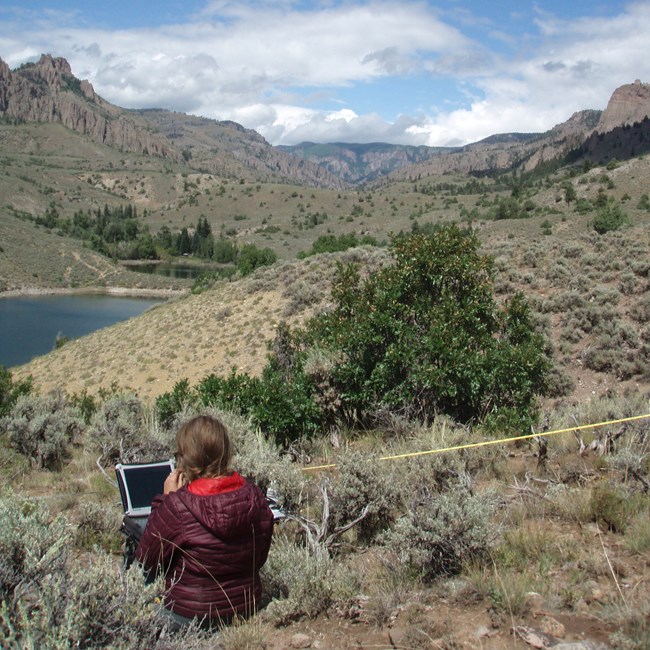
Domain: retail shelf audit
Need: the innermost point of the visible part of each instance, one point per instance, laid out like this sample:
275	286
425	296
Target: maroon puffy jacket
211	549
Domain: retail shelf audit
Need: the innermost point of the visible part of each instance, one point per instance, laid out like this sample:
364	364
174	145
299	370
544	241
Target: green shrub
640	310
251	257
172	402
510	208
33	544
440	532
301	295
12	463
49	601
425	335
419	337
45	430
10	390
92	606
333	244
301	583
85	403
282	409
610	217
644	203
361	483
99	525
610	507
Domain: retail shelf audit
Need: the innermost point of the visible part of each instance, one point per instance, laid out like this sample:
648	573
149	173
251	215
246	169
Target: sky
436	73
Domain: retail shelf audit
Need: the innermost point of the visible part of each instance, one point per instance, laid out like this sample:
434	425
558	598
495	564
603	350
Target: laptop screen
139	484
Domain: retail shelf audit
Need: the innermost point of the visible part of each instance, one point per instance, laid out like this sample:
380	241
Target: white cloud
264	64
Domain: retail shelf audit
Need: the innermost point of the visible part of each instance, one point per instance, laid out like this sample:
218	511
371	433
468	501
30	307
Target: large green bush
419	337
425	335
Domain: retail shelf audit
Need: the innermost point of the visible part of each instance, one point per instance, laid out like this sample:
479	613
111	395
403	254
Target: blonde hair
203	448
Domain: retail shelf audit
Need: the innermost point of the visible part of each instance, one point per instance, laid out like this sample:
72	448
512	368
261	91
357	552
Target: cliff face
228	149
628	104
508	151
47	91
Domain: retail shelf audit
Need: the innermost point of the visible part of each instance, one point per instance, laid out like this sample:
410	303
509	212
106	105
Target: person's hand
174	481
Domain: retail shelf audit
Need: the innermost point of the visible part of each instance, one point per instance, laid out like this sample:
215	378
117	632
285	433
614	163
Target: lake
185	271
29	325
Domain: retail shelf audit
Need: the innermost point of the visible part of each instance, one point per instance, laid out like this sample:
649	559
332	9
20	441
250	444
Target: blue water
29	325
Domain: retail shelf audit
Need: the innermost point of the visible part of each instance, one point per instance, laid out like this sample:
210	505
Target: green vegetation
116	232
11	390
377	535
334	244
420	337
420	348
609	217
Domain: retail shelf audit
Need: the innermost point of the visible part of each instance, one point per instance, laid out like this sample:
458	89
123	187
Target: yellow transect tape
485	443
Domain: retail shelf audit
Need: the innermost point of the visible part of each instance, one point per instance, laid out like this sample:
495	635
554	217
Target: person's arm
265	533
164	531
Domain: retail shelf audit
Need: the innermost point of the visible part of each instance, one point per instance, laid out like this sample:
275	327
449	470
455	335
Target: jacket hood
229	515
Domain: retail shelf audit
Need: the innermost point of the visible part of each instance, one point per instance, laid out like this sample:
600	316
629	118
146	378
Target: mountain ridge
47	91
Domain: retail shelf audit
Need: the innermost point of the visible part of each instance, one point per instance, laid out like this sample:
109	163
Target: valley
557	540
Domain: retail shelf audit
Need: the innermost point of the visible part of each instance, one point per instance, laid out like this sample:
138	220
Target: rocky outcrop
628	105
508	151
47	91
228	149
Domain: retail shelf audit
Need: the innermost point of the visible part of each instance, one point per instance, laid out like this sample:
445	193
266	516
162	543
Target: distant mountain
228	149
47	91
509	138
360	163
508	151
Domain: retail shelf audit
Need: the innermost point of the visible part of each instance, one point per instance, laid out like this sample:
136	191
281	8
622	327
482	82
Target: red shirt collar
218	485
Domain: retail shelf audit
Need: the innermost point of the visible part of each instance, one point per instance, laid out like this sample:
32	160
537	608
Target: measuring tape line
485	443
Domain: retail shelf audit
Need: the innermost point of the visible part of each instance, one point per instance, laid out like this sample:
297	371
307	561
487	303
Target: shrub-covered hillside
386	543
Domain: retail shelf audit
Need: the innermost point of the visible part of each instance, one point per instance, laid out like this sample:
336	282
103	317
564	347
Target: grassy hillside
32	258
528	539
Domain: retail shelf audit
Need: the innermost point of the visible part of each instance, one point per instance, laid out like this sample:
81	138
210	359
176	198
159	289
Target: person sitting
210	531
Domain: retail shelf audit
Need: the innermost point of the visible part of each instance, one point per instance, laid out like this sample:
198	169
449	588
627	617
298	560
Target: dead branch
317	537
103	471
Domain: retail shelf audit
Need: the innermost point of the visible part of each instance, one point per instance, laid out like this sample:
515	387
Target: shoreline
132	292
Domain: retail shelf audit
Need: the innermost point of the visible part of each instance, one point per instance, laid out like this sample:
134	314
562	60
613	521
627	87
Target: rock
551	626
534	638
628	104
47	91
300	640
